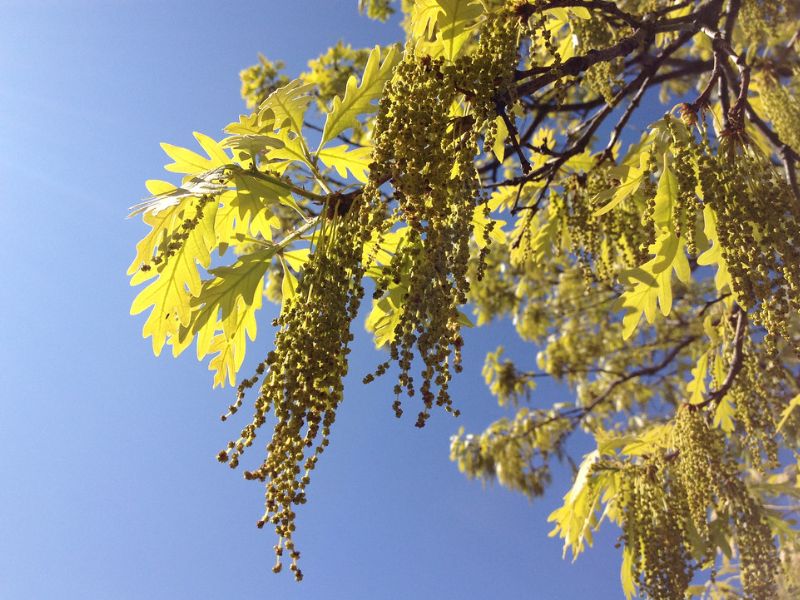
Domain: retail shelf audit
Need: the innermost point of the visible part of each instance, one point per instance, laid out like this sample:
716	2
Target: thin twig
737	360
632	106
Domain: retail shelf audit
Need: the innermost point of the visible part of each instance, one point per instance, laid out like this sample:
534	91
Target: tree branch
737	360
642	372
610	8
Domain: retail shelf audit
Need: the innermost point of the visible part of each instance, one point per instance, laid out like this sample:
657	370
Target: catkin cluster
759	19
782	107
758	218
176	240
754	395
516	452
542	42
596	34
709	476
668	500
760	563
653	532
303	374
758	221
427	150
604	243
699	464
687	206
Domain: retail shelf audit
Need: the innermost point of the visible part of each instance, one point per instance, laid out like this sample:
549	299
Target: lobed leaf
358	99
286	106
345	159
177	281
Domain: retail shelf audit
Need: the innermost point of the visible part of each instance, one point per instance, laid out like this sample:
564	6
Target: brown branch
513	134
734	117
609	8
706	16
686	68
789	162
643	372
730	18
737	360
703	99
712	302
724	95
549	170
577	64
632	106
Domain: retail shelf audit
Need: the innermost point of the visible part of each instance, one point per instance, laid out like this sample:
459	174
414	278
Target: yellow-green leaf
576	518
186	161
631	184
794	403
296	259
423	18
252	143
253	124
263	190
653	282
382	321
293	149
654	439
358	99
344	159
453	22
162	224
178	280
626	574
242	213
381	254
287	105
229	346
288	286
480	228
242	280
723	415
666	196
697	386
713	256
581	12
499	146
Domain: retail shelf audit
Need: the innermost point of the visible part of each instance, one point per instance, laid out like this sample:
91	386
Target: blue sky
110	486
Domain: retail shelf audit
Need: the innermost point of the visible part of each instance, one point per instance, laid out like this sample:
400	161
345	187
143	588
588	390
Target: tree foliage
487	166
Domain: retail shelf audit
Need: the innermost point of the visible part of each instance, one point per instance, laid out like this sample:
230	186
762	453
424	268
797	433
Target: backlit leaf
653	282
453	22
697	386
359	99
345	159
186	161
287	105
243	280
178	280
713	256
794	403
631	184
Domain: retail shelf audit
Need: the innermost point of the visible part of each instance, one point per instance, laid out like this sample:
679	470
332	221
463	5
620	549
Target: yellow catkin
429	156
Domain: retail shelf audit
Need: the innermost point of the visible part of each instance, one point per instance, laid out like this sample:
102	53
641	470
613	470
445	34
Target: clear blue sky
110	489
